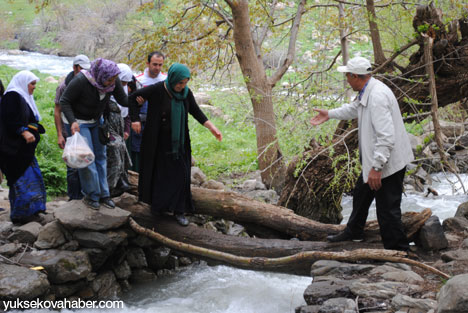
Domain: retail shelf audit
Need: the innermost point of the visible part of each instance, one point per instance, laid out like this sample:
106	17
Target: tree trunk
270	161
314	193
237	208
344	46
379	56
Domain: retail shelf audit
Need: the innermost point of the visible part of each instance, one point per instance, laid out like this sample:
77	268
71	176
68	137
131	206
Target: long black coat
15	154
163	181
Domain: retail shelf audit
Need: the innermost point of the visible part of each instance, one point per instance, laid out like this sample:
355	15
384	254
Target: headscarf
125	75
101	70
19	83
177	72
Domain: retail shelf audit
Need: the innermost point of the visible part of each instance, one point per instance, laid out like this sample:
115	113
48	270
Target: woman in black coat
19	135
164	180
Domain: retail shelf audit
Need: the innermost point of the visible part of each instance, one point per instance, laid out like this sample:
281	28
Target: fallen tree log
235	207
302	259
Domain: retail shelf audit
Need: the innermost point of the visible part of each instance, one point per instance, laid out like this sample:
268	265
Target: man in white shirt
384	149
150	76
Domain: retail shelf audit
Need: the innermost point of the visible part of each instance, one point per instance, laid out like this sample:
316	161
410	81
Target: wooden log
299	260
235	207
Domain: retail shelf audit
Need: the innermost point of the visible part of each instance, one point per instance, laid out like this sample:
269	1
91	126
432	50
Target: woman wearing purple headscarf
83	103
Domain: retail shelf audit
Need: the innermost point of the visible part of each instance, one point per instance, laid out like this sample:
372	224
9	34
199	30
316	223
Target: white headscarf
125	75
19	83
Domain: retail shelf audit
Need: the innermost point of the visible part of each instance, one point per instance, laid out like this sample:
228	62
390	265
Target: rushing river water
222	289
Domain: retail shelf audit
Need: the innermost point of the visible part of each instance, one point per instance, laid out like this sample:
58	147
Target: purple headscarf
101	70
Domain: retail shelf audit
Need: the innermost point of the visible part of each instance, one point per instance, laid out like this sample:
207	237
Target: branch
393	57
292	45
272	263
221	14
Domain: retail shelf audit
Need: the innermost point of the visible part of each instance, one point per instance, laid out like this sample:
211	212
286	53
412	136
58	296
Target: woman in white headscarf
19	135
118	159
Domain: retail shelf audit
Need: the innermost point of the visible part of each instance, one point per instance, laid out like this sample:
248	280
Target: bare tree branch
292	45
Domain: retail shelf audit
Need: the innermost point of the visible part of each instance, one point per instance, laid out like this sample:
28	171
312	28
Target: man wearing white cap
384	150
73	181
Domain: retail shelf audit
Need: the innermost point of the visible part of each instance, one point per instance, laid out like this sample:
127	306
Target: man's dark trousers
388	200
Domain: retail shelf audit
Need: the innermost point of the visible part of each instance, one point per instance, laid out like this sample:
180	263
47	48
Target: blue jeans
93	178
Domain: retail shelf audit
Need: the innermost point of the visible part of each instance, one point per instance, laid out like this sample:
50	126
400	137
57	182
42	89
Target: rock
65	290
253	184
51	80
26	233
202	98
5	227
197	177
61	266
97	257
431	236
338	305
185	261
382	290
462	210
448	129
212	110
18	282
455	224
157	257
9	249
122	270
308	309
335	268
142	241
403	276
456	255
172	262
465	243
141	275
136	258
267	196
50	236
212	184
452	297
106	287
319	292
402	301
76	215
92	239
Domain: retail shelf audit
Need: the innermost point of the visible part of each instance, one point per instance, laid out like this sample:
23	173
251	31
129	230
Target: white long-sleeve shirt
383	141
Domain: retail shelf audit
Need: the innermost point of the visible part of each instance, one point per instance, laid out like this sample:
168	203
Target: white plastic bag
77	153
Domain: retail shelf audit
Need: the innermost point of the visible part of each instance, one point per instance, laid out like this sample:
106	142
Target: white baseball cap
357	65
83	61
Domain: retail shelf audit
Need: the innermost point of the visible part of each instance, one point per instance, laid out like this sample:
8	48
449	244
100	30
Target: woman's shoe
181	219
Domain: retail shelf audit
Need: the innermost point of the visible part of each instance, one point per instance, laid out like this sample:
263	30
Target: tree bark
270	160
235	207
379	56
298	262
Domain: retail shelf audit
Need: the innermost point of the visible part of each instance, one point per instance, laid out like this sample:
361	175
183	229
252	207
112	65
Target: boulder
50	236
455	224
452	297
76	215
402	301
212	110
212	184
61	266
103	240
432	236
18	282
105	286
462	211
197	176
321	291
26	233
9	249
382	290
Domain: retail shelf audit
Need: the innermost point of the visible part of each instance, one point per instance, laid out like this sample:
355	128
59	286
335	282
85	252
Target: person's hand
213	130
28	136
140	100
320	118
136	126
61	142
126	135
374	180
75	127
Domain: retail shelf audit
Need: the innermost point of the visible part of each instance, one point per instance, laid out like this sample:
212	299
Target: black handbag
103	133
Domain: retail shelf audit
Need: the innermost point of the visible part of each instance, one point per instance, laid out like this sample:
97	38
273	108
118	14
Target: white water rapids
222	289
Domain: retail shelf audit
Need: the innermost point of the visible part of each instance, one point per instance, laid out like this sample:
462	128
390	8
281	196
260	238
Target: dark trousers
73	184
387	200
